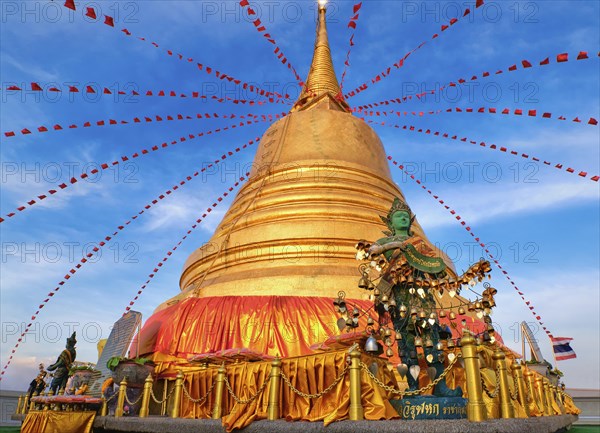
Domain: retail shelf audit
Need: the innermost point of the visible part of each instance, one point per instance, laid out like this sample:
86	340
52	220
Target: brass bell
433	316
363	283
485	301
442	314
350	323
428	343
403	308
413	311
398	336
478	306
392	302
371	345
439	346
371	286
389	353
422	314
370	321
434	283
387	332
360	245
418	342
355	312
384	298
450	343
452	315
461	310
388	342
377	292
471	306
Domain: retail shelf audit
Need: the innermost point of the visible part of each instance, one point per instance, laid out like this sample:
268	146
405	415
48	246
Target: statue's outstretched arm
380	249
55	365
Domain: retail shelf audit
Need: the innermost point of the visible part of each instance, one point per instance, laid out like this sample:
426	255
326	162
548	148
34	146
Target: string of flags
562	348
178	244
583	174
89	89
479	241
400	63
489	110
351	25
109	21
260	27
106	239
525	64
137	154
141	119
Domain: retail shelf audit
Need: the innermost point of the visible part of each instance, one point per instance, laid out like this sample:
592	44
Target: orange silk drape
309	374
58	422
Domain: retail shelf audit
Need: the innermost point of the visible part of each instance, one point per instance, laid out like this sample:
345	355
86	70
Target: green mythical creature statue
62	365
414	317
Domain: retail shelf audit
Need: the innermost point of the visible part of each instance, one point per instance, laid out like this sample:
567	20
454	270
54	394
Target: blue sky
544	222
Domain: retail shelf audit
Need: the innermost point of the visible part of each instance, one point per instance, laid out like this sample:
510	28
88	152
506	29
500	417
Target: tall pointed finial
321	78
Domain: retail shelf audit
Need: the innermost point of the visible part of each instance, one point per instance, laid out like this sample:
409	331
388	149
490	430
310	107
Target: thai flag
562	349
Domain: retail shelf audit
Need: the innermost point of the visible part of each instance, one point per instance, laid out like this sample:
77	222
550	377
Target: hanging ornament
402	370
431	372
429	358
414	371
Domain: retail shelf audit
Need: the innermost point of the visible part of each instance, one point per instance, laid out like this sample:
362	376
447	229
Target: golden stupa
285	248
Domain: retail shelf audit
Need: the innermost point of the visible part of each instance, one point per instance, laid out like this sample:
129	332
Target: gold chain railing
251	399
320	394
136	401
198	400
157	401
416	391
497	390
515	394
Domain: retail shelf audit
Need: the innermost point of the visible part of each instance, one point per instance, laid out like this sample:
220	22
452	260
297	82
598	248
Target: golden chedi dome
285	248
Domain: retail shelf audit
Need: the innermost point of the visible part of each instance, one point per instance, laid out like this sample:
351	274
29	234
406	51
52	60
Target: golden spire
321	78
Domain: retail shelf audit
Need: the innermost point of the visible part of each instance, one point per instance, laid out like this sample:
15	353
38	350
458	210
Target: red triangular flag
36	87
91	13
564	57
109	21
357	7
70	4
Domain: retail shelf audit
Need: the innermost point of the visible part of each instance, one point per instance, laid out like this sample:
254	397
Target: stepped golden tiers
266	279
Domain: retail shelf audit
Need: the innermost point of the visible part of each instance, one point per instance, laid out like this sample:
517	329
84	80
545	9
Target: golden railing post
219	386
517	372
144	410
46	404
177	395
19	403
549	406
25	406
476	410
540	391
104	409
121	398
32	404
506	408
356	409
273	408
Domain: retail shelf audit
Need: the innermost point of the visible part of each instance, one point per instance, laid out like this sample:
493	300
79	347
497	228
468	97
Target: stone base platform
548	424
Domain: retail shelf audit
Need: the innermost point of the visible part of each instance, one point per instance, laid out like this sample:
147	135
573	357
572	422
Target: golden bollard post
32	404
219	387
476	410
104	409
506	408
121	398
19	403
530	381
273	408
46	404
145	409
517	372
25	406
177	395
548	395
356	409
557	399
539	387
